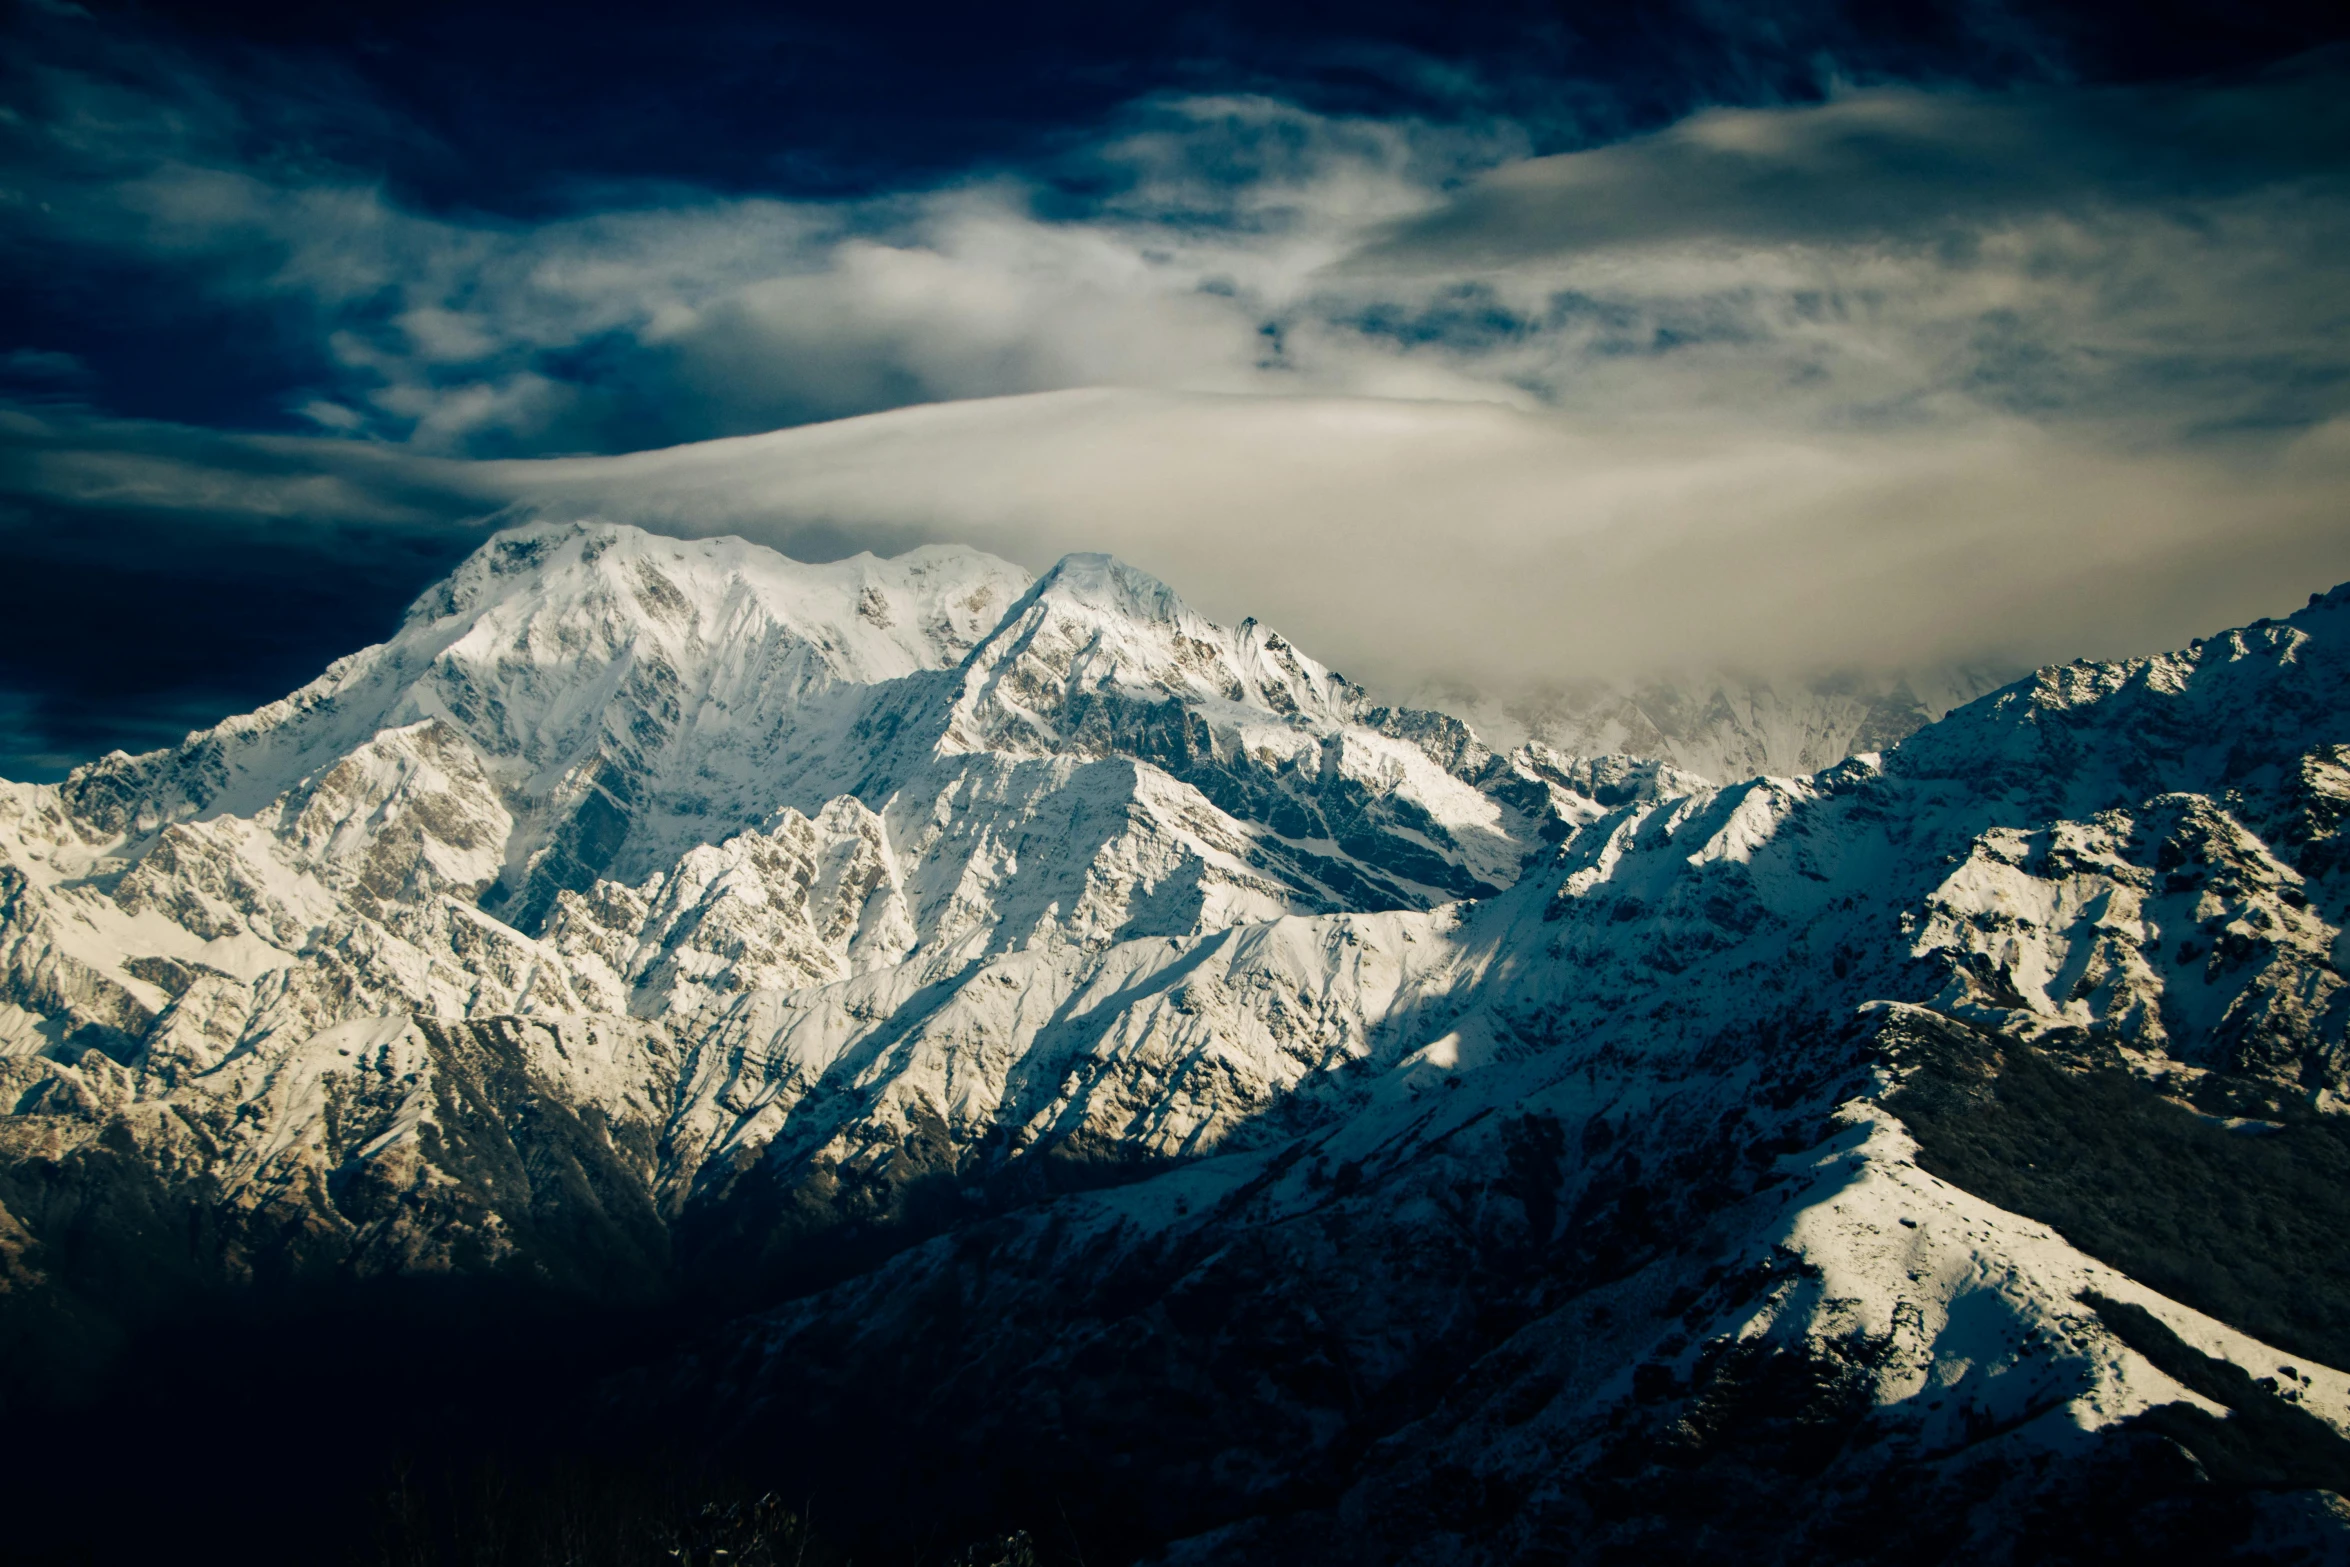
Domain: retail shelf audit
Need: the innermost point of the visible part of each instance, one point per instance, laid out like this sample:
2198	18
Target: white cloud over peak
1410	541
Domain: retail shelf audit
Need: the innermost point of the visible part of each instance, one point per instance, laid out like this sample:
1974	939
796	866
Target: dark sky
276	282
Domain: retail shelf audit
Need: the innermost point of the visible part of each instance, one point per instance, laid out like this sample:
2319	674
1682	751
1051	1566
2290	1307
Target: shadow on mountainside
1287	1373
2228	1195
1282	1379
305	1387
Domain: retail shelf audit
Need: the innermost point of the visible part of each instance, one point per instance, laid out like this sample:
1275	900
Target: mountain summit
1069	1043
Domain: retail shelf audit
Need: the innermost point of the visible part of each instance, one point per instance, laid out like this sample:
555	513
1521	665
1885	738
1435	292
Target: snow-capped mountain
653	790
1720	726
1458	1155
1630	1196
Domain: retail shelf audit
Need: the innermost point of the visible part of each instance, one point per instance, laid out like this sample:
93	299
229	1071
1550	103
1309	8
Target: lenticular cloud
1507	546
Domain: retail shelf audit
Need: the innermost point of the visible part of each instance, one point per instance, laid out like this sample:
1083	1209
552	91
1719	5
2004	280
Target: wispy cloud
2142	254
1176	250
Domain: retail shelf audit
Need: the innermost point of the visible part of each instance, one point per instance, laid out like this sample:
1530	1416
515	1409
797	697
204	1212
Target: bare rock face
1116	1036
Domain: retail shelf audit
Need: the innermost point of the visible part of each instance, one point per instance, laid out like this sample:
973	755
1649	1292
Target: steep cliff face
1342	1141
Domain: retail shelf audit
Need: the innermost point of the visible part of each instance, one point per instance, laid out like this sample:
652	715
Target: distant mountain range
1720	726
1082	1063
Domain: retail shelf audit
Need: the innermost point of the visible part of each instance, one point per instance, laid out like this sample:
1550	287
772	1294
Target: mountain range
1044	1059
1718	725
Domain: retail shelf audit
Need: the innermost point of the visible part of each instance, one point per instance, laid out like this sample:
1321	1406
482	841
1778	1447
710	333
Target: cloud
1407	541
1403	541
2162	257
1903	376
2167	255
1171	250
214	484
1891	163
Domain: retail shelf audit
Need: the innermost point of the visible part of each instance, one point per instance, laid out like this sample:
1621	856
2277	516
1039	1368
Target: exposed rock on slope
1623	1247
657	796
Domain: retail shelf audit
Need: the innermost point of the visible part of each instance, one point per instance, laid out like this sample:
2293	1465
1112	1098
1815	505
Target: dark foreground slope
1524	1333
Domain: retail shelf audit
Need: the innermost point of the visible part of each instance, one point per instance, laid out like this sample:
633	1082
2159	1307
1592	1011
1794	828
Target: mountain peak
1105	583
595	668
871	617
1094	625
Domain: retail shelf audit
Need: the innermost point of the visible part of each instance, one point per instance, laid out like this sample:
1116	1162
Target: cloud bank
1410	541
1901	376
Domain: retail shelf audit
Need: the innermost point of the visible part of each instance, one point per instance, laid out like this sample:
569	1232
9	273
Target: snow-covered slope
1494	1136
1615	1241
626	695
607	780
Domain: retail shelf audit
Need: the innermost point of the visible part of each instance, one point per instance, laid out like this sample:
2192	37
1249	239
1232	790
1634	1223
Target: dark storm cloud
162	575
1902	164
511	108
